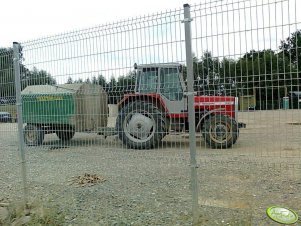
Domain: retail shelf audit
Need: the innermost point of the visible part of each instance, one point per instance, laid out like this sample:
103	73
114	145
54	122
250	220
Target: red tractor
159	106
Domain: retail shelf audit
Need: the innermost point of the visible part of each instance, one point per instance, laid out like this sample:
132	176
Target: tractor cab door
171	88
147	80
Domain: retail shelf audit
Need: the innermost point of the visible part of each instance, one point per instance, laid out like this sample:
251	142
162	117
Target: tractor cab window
170	85
148	80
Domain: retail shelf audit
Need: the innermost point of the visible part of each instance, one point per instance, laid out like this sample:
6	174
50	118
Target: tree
228	78
94	80
88	81
100	80
69	80
267	75
113	83
80	80
36	77
28	77
127	83
7	79
290	47
214	77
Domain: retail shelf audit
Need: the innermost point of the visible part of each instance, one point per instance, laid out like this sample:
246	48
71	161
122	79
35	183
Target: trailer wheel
140	125
65	135
33	135
220	131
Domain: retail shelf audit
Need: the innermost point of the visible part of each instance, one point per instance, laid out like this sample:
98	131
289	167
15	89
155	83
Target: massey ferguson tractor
159	106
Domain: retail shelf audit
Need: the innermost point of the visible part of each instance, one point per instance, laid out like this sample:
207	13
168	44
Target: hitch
242	125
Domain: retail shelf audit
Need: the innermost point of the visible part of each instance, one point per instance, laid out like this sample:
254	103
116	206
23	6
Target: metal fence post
191	114
16	49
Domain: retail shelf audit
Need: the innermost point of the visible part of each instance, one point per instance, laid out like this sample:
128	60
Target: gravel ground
152	187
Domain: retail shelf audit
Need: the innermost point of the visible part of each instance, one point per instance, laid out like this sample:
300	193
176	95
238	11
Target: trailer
62	109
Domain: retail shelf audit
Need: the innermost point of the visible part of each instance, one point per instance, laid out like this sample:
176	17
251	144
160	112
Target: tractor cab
165	80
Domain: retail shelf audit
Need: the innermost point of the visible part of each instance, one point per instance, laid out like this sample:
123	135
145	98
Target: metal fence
141	121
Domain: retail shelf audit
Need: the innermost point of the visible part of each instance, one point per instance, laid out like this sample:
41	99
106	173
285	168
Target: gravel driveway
152	187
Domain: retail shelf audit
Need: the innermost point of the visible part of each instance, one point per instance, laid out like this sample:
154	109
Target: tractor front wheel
220	131
140	125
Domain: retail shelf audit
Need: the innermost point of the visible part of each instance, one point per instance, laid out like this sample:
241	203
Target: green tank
62	109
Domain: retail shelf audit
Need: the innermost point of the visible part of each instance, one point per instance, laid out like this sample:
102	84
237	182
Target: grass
34	214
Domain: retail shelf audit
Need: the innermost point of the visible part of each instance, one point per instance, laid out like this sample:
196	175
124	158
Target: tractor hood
224	104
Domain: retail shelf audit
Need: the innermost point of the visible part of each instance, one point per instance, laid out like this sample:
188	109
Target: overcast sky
226	28
22	20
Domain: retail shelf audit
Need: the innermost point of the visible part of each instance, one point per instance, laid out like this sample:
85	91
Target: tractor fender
207	114
152	98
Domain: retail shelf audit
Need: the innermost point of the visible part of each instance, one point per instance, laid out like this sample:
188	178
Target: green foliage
267	74
28	77
7	86
69	80
36	77
213	76
291	48
100	80
80	80
117	89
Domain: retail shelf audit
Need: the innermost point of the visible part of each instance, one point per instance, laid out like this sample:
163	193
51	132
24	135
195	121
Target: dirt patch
86	180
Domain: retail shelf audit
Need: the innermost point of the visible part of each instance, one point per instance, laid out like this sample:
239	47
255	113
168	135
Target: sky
22	20
226	28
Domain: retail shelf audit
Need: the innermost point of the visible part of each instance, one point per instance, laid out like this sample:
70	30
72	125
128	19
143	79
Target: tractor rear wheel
220	131
140	125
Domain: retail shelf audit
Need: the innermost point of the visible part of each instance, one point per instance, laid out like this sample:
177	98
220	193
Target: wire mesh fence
121	124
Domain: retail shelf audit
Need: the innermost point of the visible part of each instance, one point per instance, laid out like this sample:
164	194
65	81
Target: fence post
191	114
16	59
